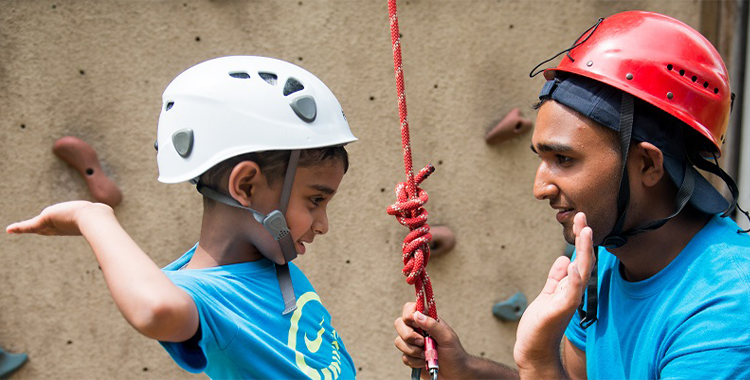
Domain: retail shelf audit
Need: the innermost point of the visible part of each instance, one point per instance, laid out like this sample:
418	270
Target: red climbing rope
409	210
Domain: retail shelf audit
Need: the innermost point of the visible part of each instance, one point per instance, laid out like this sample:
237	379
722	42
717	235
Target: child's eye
317	200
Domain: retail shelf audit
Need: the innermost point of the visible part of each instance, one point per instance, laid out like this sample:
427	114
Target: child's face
313	189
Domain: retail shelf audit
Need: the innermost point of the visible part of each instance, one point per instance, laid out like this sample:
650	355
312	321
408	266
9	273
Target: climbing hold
443	240
513	124
9	363
81	156
511	309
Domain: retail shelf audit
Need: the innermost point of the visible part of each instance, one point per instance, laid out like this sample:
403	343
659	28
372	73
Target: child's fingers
34	225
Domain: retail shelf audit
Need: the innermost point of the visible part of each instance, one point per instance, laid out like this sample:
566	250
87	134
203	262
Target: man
638	102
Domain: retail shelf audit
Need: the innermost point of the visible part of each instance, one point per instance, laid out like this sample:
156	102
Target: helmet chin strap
617	237
275	224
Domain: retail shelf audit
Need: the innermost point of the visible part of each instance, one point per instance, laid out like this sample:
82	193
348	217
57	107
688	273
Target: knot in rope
411	213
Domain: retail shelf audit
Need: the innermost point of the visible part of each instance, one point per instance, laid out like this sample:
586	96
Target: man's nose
544	188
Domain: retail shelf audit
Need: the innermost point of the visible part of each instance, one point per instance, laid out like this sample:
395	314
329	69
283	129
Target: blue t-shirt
243	333
689	321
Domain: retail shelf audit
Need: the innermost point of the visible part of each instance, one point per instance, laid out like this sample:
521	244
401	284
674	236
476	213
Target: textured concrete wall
96	70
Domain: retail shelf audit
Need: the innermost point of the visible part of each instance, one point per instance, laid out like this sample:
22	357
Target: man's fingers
579	221
407	333
585	253
412	362
408	311
438	330
569	290
556	273
409	349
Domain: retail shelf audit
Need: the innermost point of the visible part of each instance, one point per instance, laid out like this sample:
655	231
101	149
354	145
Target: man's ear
651	163
243	181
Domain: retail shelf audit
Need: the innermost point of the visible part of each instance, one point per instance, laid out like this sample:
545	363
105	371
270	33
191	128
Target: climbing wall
96	70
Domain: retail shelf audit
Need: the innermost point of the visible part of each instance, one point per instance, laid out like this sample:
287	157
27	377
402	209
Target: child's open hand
60	219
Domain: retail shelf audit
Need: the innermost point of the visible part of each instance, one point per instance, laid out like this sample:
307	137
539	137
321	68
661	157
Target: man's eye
563	159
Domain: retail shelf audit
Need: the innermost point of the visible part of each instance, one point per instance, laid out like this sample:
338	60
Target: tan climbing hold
513	124
81	156
443	240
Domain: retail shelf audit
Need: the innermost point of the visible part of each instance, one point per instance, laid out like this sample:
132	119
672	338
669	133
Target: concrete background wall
96	70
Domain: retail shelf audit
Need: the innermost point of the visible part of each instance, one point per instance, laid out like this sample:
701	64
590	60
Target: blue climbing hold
511	309
9	363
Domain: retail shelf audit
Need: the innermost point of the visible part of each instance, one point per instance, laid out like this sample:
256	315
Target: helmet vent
240	75
693	78
168	106
292	85
271	78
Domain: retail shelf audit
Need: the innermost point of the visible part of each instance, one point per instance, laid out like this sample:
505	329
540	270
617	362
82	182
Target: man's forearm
547	370
481	368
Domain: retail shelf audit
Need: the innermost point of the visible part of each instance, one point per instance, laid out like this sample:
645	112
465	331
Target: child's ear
651	161
243	181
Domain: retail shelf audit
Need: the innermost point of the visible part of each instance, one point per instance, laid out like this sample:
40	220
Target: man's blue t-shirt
243	333
689	321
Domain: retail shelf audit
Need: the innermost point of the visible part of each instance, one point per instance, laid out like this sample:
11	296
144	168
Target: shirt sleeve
723	363
192	355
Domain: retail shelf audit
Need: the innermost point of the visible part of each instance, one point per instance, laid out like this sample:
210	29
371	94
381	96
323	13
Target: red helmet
661	61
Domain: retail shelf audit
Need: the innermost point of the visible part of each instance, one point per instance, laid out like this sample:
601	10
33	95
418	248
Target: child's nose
320	225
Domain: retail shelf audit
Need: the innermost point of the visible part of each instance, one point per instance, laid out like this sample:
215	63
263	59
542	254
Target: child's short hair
273	163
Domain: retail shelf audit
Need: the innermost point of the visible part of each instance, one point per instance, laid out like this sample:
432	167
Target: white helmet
229	106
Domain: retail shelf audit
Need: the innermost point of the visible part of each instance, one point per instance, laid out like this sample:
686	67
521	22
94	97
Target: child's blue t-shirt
243	334
691	320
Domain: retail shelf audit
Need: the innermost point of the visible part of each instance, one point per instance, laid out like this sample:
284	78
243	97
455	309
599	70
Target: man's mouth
563	214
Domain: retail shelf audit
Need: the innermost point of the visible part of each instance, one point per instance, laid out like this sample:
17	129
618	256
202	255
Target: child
262	139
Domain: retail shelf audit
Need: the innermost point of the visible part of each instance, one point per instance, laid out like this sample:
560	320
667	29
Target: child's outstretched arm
147	299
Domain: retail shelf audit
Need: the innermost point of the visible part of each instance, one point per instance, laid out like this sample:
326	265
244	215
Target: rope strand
409	208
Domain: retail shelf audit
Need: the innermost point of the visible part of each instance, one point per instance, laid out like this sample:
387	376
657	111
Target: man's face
579	169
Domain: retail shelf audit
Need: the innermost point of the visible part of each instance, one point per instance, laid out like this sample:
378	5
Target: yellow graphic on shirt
334	369
314	345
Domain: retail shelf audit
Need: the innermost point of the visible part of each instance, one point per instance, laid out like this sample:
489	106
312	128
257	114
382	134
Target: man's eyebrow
322	188
554	148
